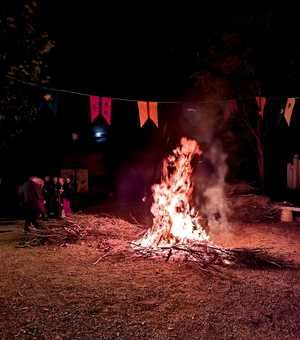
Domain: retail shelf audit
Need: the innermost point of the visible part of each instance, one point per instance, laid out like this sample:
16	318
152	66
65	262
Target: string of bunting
148	110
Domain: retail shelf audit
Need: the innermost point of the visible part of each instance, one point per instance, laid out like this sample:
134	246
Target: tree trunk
261	163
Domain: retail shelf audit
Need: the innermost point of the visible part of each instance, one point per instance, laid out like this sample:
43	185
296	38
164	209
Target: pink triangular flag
288	111
94	107
106	109
261	102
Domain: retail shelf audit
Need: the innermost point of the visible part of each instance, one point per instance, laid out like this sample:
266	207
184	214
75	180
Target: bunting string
71	92
148	109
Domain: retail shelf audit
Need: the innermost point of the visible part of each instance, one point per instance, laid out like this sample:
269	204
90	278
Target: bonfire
177	229
175	220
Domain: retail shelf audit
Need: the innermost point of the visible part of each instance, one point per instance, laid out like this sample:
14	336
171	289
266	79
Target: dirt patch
58	293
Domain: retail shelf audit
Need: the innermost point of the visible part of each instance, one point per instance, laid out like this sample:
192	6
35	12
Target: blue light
100	134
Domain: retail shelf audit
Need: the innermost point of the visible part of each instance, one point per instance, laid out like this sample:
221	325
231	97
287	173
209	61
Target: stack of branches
56	233
248	206
81	227
209	257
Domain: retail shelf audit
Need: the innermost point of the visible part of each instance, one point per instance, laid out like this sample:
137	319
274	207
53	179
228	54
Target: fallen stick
101	257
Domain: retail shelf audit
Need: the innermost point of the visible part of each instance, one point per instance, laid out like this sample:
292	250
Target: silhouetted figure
59	189
49	195
41	200
55	198
32	197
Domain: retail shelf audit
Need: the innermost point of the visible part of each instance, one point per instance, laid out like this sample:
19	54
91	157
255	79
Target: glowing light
47	97
175	221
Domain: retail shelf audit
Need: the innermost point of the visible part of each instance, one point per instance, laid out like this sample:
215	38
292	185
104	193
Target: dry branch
247	206
209	256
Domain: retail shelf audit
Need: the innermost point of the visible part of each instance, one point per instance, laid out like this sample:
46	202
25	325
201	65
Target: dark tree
24	54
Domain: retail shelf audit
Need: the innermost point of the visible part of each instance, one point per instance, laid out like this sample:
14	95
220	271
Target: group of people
44	198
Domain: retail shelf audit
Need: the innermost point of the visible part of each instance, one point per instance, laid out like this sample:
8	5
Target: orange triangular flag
143	112
153	114
288	111
261	102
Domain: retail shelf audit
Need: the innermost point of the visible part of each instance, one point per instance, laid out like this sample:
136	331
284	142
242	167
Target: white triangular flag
288	111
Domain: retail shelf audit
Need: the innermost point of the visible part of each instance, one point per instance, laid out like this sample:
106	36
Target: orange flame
175	221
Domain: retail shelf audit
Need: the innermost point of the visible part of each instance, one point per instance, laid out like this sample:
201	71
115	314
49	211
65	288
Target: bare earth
58	293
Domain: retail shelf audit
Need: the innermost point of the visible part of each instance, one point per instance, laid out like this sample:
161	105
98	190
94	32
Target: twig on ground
101	257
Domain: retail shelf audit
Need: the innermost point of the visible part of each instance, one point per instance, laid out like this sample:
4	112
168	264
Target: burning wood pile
177	230
175	221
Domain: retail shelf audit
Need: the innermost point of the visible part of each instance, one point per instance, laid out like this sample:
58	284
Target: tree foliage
24	55
229	70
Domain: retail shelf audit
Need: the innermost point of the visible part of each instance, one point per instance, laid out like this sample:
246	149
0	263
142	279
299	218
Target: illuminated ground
58	293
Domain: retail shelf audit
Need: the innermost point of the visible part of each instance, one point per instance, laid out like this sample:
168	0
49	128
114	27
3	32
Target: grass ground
58	293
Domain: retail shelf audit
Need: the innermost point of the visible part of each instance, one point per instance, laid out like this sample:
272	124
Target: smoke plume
205	125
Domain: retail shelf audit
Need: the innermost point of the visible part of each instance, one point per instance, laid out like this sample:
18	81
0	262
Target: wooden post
289	176
286	215
298	172
295	173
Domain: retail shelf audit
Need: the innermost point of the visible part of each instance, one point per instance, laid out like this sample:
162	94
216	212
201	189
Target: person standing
56	197
31	198
41	198
48	191
59	194
67	196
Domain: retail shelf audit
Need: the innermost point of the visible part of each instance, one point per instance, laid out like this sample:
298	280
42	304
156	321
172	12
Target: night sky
151	53
149	50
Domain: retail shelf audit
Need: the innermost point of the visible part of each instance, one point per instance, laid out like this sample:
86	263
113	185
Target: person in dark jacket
49	195
42	203
59	189
32	197
56	197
